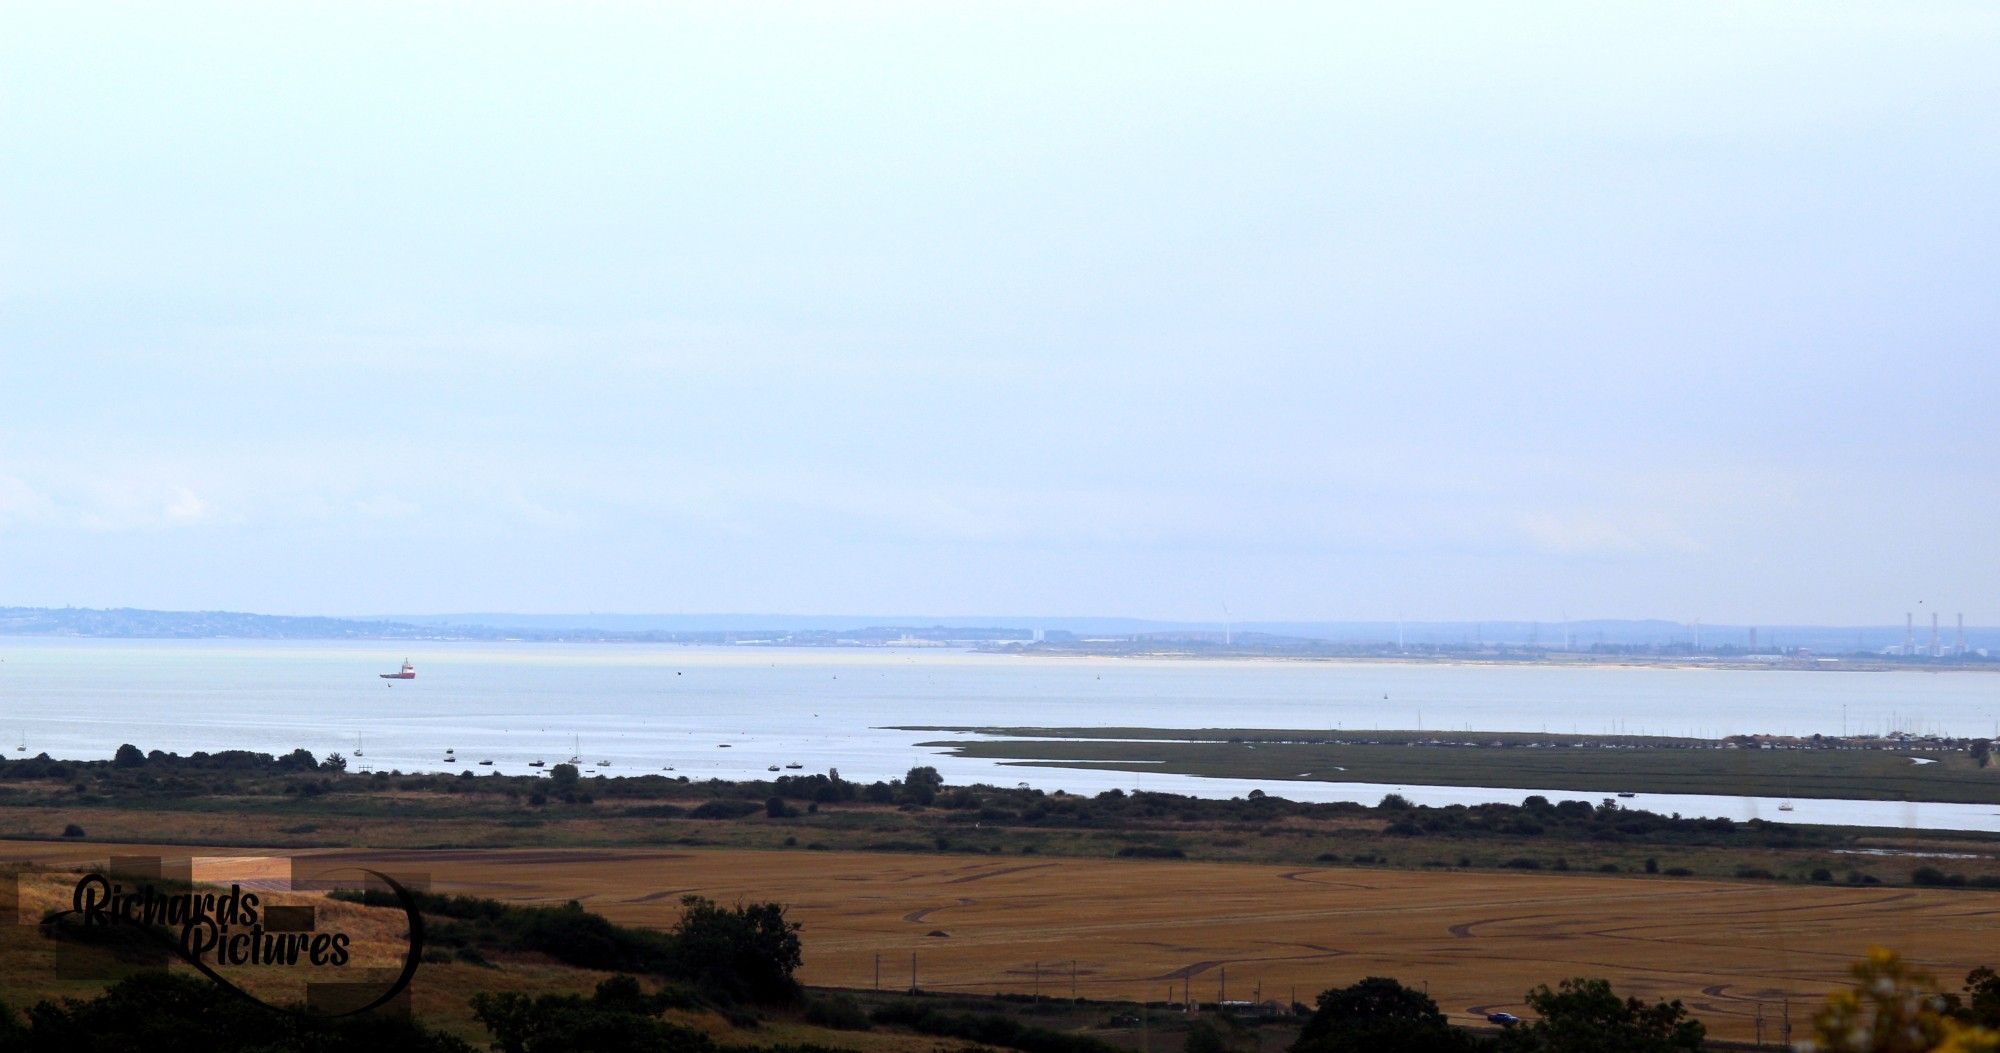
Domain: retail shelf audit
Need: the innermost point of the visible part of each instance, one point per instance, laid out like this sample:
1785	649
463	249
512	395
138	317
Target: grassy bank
1879	771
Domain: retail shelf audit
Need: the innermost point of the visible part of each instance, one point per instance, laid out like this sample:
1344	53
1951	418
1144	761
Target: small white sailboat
357	747
575	750
1784	806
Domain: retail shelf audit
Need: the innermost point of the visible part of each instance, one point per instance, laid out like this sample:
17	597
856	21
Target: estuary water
732	712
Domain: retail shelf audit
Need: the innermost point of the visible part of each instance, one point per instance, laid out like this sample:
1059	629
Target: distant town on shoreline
1602	640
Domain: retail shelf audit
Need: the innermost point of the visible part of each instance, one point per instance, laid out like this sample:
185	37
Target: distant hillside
127	622
852	630
131	622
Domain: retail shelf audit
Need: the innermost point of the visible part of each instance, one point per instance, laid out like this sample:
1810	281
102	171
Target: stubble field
1156	930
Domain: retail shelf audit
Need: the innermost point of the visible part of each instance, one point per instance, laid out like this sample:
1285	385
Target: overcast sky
1315	311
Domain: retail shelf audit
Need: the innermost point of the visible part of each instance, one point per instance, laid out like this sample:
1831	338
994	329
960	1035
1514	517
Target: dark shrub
1151	852
839	1012
724	809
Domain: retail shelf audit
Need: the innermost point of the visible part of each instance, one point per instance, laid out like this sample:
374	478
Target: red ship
408	672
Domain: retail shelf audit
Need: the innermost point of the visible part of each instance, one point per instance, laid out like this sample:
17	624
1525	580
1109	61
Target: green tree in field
1982	997
743	952
563	776
1584	1016
1378	1015
921	785
128	756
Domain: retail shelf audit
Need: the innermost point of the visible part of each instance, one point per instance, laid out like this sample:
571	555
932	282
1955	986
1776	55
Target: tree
128	756
1584	1016
1982	997
1982	751
563	776
921	785
743	952
1378	1014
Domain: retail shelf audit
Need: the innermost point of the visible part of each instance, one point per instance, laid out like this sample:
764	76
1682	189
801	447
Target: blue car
1502	1019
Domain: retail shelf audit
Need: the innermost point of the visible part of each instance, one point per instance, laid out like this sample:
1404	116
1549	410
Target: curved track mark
916	917
1298	876
997	873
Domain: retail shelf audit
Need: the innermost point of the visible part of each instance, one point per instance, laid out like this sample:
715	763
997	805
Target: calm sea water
644	709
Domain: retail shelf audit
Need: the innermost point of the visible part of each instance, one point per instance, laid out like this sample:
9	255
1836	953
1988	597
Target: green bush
724	809
1152	852
839	1012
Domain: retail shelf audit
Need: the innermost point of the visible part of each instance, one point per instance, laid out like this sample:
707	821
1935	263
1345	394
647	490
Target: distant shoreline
1004	651
1829	664
1588	642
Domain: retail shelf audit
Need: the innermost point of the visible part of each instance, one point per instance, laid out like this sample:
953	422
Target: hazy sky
1315	311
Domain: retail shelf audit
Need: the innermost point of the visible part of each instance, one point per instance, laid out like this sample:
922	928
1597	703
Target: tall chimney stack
1934	637
1909	634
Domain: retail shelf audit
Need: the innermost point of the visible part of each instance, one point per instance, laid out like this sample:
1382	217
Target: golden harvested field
1143	929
